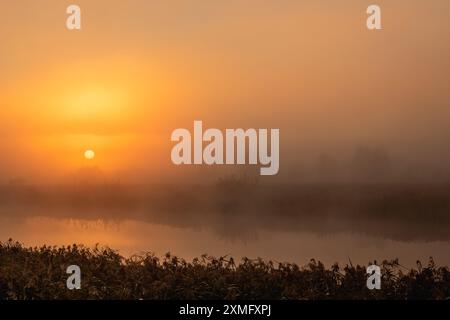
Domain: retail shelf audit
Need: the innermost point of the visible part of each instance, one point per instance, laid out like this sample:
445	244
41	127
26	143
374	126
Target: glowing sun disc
89	154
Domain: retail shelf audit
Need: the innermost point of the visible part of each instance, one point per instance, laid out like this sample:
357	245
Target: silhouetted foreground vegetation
40	273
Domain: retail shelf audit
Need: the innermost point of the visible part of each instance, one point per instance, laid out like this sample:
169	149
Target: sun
89	154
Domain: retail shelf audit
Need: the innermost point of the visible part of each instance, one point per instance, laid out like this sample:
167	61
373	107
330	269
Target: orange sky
139	69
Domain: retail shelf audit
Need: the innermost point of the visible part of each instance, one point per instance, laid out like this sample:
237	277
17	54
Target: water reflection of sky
130	237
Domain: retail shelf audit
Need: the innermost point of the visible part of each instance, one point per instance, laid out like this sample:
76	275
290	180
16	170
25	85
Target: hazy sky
139	69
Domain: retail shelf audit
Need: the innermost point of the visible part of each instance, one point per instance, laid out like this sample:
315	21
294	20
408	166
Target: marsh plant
40	273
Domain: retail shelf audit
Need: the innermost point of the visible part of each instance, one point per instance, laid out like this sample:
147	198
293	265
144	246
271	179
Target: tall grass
40	273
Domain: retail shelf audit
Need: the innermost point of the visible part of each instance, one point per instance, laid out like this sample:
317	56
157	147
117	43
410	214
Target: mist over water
238	217
287	131
134	237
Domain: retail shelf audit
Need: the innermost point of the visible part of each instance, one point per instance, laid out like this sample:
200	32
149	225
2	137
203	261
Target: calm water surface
134	237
